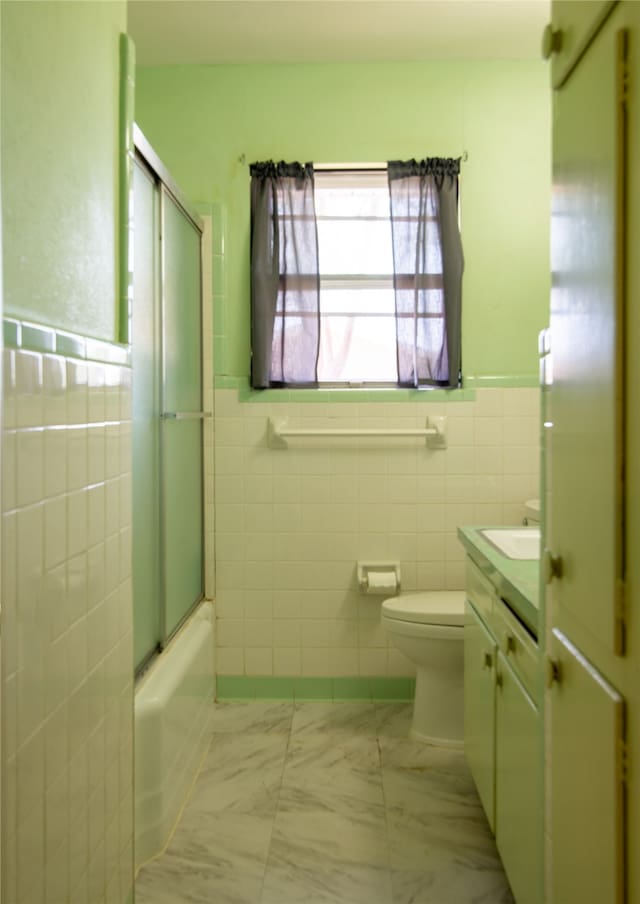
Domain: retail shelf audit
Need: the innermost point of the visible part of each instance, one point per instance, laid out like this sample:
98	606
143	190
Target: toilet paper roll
381	583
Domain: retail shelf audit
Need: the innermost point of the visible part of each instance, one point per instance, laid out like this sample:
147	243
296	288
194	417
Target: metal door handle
554	672
552	566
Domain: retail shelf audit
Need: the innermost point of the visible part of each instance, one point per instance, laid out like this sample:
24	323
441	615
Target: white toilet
428	628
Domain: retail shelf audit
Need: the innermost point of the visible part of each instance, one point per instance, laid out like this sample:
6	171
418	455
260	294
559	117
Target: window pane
355	246
357	325
356	300
359	348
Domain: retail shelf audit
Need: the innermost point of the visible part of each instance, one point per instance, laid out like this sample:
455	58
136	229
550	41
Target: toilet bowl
428	628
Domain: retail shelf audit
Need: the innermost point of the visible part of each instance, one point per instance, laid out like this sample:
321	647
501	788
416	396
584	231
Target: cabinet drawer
481	592
518	648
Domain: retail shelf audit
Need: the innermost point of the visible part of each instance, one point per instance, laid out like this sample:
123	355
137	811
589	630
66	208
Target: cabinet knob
551	41
509	643
487	660
499	678
554	672
552	566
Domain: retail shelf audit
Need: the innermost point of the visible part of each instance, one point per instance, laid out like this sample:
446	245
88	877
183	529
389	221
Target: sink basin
515	542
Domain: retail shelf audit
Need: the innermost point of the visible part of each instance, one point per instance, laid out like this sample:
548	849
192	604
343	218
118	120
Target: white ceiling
169	32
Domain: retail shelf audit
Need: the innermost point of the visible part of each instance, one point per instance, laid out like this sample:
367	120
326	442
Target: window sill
315	396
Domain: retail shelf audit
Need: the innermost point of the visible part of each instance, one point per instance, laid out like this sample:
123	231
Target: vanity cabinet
518	810
479	708
592	706
502	731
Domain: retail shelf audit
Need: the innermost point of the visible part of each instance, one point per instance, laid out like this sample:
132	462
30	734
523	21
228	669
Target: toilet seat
430	607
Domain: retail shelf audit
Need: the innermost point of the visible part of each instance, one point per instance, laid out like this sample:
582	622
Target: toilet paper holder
379	578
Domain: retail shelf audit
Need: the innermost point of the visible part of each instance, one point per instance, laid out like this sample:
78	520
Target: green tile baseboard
249	687
36	337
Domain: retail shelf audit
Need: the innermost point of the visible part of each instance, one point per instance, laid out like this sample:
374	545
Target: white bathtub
173	708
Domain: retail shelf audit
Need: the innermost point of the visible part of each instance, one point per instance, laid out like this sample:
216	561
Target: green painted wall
202	119
60	96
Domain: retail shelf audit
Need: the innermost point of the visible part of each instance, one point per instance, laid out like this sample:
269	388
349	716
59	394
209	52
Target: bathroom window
357	301
356	275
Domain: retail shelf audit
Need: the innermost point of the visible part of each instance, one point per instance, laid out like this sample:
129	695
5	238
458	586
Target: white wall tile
55	461
287	661
373	662
489	403
398	664
30	466
28	399
343	662
286	632
315	661
291	524
258	660
52	655
258	632
230	660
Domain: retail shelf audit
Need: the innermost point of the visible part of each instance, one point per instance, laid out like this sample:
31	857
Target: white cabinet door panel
479	716
585	457
518	786
586	720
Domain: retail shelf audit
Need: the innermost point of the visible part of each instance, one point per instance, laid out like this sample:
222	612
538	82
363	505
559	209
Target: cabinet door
586	723
578	21
586	463
518	787
479	721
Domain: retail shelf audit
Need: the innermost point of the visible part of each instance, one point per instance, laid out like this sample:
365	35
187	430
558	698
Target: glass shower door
181	437
168	491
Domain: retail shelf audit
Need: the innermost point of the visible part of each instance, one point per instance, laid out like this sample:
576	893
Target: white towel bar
434	433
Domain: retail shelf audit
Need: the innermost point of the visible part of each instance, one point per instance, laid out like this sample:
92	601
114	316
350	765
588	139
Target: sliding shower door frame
169	193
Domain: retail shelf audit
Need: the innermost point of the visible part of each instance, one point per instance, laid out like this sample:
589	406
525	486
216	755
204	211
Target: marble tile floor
326	803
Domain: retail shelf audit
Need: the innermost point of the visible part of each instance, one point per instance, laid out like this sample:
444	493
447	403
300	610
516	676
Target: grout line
277	807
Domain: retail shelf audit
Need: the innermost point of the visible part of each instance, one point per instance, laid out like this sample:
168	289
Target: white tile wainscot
291	524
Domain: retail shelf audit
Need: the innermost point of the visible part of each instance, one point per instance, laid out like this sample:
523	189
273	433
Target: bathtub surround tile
328	803
70	699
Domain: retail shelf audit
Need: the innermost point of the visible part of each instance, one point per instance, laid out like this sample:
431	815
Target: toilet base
438	707
435	742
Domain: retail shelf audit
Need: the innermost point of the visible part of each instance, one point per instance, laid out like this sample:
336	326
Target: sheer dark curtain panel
285	282
428	264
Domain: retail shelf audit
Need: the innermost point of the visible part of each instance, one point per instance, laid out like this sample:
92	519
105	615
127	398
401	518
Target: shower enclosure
168	560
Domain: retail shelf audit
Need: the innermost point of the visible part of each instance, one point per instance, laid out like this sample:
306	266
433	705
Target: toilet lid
431	607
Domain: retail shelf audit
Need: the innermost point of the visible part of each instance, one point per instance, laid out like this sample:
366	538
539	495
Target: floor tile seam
386	815
242	732
276	810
